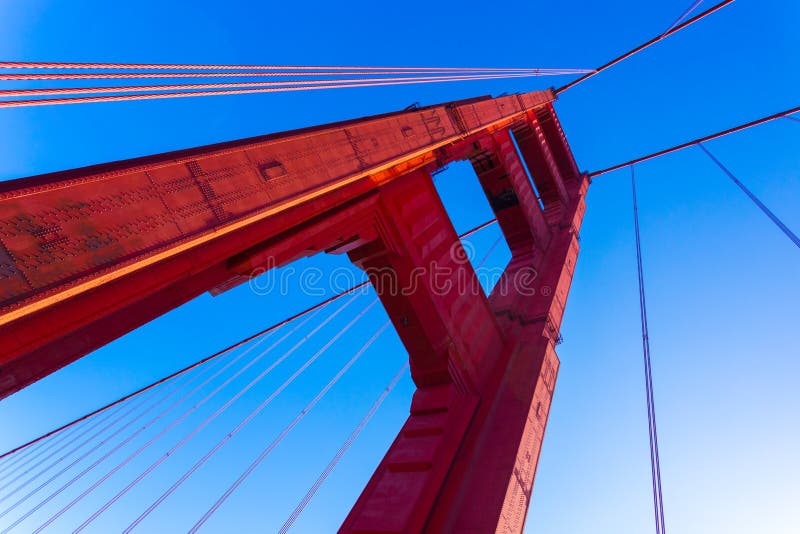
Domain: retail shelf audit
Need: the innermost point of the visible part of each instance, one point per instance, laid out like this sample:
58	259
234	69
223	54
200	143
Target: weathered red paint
87	255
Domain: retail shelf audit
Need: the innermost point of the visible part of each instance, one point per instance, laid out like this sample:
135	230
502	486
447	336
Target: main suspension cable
152	96
698	141
178	66
78	435
641	47
24	76
235	85
42	445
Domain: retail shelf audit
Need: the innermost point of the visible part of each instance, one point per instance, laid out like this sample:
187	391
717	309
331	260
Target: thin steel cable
159	416
255	463
149	96
11	460
174	423
795	119
174	66
244	422
774	218
655	461
717	135
218	354
342	450
641	47
489	252
15	459
258	74
78	435
47	444
235	85
219	411
178	386
134	406
685	14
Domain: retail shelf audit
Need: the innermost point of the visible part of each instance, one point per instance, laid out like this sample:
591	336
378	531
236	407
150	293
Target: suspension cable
774	218
235	85
641	47
78	435
191	410
342	450
62	457
685	14
257	74
151	96
152	421
41	447
655	462
260	407
260	458
227	404
90	451
698	141
167	66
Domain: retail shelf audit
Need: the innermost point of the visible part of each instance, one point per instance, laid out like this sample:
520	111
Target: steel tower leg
465	460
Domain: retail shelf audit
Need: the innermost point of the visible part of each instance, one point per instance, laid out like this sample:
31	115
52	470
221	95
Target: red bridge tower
89	254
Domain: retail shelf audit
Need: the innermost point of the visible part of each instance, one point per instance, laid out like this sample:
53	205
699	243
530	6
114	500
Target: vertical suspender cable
774	218
183	416
67	454
115	416
206	421
655	462
261	406
340	453
202	371
97	446
255	463
685	14
29	453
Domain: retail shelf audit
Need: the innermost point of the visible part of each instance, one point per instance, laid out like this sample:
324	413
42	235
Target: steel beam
89	254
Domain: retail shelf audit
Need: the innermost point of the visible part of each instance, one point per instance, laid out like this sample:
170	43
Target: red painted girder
89	254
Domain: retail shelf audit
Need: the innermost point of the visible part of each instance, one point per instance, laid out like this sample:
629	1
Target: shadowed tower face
90	254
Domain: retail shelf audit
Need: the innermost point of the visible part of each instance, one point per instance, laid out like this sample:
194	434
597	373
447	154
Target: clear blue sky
722	280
